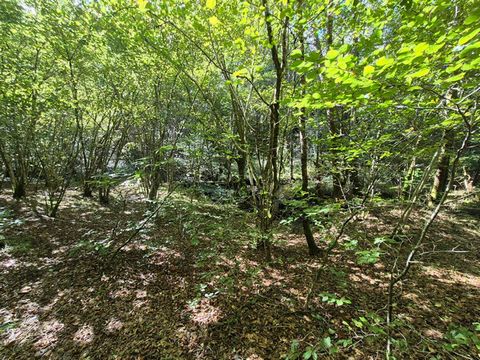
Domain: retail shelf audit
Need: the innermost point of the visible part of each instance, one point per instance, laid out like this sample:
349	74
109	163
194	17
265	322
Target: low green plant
463	337
334	299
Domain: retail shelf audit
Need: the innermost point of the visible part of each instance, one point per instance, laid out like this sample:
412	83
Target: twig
142	225
334	242
394	279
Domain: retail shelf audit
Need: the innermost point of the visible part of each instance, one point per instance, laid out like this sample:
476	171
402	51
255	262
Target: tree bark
313	249
441	177
271	177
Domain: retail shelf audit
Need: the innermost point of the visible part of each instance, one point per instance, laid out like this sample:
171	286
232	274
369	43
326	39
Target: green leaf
327	342
468	37
308	354
210	4
213	21
367	257
297	53
383	61
332	54
455	78
367	70
419	49
419	73
357	323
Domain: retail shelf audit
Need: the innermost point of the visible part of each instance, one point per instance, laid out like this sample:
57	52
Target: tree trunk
154	186
103	195
335	173
355	181
19	188
307	230
441	177
271	174
292	177
241	165
467	180
87	189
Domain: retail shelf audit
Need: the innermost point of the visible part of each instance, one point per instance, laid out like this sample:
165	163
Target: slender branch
394	279
142	224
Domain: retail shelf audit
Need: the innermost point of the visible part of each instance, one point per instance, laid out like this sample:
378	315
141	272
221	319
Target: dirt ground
192	286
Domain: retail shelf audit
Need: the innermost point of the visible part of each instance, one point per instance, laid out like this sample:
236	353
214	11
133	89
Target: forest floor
191	285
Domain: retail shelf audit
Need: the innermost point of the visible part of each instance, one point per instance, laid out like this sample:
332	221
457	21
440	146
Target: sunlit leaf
210	4
142	4
332	54
455	78
367	70
470	36
213	20
420	73
383	61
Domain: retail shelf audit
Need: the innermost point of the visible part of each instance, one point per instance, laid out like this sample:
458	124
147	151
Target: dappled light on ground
180	293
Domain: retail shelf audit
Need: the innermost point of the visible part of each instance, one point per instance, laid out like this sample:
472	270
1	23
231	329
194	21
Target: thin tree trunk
440	179
291	143
313	249
271	177
396	277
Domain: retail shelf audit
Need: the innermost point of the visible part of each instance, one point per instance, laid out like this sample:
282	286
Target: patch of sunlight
59	295
452	276
433	333
140	304
84	335
163	255
419	302
9	263
22	330
359	277
121	293
204	313
28	327
140	294
48	334
113	325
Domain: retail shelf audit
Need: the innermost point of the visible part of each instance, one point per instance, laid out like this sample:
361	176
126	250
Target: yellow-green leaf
419	49
452	68
297	53
241	72
367	70
213	21
419	73
432	49
142	4
471	19
383	61
332	54
211	4
473	46
455	78
468	37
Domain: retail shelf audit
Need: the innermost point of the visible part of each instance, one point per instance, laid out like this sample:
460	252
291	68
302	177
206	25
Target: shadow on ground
192	286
